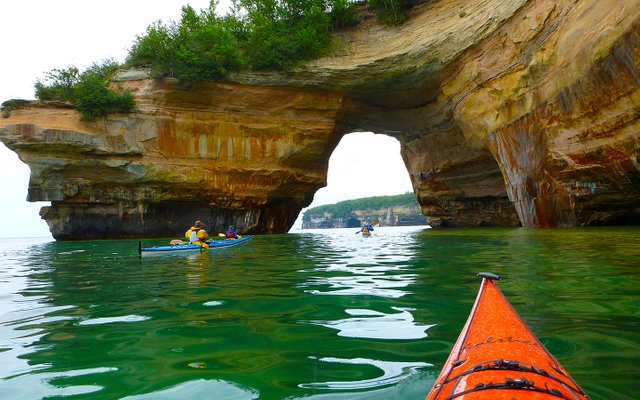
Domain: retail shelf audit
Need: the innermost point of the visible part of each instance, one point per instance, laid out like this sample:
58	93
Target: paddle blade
376	223
222	235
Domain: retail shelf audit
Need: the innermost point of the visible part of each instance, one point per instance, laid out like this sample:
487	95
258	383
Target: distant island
396	210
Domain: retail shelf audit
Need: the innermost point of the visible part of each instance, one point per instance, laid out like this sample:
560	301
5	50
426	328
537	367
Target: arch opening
363	164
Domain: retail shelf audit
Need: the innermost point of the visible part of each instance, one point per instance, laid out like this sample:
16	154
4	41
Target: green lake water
322	315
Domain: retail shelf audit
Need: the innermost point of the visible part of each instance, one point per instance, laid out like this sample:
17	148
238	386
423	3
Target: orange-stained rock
223	153
508	113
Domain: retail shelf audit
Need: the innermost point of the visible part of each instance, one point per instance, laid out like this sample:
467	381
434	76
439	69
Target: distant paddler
231	233
197	235
368	228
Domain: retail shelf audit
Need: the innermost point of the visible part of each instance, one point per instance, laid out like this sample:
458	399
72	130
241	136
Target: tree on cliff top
257	34
347	207
88	90
200	46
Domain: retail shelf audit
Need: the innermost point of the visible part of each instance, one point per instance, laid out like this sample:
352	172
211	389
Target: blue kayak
191	248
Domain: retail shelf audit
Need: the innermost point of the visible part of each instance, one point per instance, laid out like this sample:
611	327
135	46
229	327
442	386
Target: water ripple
201	389
94	320
33	385
392	372
110	320
377	325
386	286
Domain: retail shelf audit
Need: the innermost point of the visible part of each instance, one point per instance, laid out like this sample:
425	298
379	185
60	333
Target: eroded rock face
508	113
223	153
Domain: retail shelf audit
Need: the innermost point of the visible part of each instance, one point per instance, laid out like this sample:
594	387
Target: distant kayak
497	357
191	248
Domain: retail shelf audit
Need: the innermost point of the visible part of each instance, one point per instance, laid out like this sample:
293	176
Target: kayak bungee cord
510	365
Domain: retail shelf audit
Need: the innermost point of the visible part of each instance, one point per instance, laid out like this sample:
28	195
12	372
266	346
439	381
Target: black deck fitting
489	276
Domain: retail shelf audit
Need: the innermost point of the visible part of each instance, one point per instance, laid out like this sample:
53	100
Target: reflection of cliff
508	113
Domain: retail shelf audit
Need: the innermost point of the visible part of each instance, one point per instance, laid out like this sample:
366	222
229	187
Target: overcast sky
40	35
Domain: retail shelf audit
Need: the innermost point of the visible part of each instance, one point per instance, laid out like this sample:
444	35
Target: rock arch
508	113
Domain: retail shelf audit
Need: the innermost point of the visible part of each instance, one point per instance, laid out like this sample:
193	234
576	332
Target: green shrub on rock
281	33
391	12
200	47
13	104
89	90
93	96
58	84
258	34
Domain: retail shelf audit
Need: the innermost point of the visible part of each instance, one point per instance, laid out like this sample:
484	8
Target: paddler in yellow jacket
197	235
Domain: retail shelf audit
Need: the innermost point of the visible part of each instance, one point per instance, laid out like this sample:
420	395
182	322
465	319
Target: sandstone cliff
508	113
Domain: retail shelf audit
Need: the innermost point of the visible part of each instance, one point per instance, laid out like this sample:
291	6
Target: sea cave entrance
364	164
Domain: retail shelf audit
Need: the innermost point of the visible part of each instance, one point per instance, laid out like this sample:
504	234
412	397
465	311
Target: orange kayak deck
497	357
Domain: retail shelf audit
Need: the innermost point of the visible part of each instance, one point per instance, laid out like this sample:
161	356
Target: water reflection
392	372
31	386
201	389
386	286
375	266
24	305
111	320
96	320
365	268
377	325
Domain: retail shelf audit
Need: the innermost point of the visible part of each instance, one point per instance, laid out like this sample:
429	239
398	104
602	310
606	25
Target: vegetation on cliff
259	34
88	90
256	34
392	12
348	207
10	105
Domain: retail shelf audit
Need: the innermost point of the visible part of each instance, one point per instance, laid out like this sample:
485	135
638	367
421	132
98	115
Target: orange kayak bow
497	357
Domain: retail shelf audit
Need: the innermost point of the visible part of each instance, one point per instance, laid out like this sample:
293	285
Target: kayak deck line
498	357
509	383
